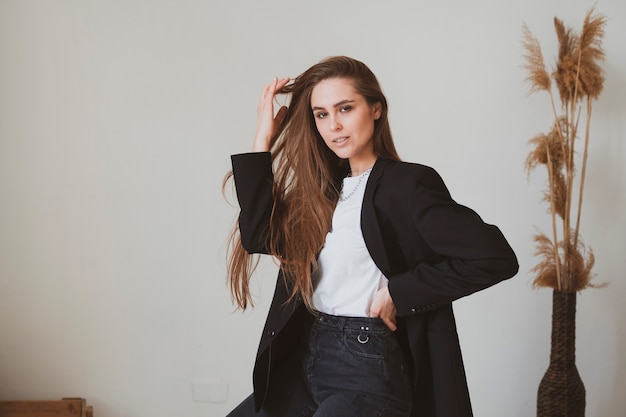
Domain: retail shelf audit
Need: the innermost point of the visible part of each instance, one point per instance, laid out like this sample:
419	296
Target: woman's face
345	121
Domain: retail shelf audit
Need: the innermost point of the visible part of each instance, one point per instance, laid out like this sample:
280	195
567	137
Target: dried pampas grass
566	262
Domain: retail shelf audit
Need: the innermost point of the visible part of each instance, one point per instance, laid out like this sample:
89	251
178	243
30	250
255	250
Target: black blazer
432	250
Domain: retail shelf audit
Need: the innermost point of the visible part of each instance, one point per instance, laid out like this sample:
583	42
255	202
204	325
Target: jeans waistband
373	324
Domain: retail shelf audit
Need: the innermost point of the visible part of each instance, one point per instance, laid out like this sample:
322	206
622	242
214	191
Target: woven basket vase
561	391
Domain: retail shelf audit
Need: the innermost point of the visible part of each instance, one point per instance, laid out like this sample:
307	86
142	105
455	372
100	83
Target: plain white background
117	119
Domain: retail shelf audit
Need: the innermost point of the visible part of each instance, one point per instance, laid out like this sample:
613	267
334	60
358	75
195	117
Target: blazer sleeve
468	254
254	178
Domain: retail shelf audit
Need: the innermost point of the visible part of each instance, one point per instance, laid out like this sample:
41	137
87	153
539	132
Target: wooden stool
67	407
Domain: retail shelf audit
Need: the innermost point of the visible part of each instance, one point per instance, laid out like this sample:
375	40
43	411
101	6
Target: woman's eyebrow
339	104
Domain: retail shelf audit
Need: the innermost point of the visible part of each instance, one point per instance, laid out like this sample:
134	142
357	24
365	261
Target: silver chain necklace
356	187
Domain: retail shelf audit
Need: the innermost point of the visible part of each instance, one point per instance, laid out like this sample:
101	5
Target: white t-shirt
346	277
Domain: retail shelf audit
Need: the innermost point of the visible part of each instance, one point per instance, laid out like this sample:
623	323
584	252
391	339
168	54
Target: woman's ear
377	110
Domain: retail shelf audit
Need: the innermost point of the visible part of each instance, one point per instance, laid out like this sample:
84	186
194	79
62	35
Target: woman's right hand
267	123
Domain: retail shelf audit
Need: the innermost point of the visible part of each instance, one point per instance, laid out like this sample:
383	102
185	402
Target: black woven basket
561	391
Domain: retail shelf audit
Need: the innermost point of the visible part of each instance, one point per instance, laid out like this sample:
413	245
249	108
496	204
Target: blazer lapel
369	223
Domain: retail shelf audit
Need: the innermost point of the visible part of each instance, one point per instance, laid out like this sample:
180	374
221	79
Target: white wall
117	119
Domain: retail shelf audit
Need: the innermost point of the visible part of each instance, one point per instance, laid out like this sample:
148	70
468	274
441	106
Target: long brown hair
307	175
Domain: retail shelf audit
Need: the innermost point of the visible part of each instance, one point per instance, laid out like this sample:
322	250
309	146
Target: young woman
372	253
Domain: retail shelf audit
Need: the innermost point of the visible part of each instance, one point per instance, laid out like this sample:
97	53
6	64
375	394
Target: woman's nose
335	124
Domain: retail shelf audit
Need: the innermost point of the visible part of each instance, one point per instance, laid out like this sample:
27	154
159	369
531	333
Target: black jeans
346	367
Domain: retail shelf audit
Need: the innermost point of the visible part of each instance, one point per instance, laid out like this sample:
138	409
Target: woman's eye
345	109
320	115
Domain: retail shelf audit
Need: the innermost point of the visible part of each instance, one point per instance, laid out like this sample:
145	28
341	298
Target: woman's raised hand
267	123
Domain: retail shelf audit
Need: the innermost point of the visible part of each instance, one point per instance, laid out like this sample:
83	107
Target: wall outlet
209	390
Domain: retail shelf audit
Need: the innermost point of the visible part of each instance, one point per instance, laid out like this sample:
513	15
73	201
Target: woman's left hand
383	307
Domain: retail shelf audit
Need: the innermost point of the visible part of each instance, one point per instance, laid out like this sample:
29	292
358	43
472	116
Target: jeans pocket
365	343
